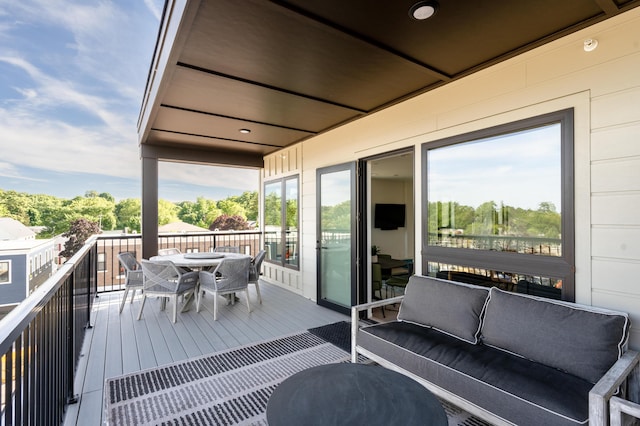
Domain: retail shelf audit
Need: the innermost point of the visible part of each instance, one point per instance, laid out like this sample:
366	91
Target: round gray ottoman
353	394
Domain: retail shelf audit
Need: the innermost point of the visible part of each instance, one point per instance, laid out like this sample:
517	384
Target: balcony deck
119	344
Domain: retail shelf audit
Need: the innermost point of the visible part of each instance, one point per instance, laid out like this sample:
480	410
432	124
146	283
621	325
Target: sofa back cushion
580	340
453	308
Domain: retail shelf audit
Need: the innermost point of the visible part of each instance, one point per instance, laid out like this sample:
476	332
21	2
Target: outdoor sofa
505	357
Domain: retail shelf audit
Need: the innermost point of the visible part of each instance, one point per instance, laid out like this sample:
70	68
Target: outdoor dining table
196	261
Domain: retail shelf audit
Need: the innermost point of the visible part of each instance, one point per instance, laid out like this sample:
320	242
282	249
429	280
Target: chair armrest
376	304
627	367
355	318
617	406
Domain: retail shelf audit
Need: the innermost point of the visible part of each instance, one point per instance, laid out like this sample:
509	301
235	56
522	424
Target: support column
149	207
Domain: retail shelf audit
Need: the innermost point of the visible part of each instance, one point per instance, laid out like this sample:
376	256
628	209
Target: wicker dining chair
255	272
230	276
133	276
166	280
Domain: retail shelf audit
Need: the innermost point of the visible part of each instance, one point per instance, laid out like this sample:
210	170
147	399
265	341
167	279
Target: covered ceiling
289	70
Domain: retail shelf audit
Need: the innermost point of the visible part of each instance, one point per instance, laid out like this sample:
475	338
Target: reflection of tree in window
337	217
465	173
272	206
281	233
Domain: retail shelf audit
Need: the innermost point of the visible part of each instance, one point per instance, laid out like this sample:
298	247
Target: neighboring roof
180	227
26	246
11	229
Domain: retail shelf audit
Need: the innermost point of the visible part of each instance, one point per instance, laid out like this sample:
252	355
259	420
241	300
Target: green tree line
489	218
57	214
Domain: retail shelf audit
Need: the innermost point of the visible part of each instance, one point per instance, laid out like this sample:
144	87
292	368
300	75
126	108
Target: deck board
120	344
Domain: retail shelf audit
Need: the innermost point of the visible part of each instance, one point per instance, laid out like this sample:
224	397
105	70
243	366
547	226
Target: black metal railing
41	340
110	273
528	245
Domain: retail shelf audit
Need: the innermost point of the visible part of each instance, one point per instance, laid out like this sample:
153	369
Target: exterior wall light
245	131
590	44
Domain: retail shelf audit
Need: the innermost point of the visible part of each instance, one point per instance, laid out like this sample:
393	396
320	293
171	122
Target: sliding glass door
335	236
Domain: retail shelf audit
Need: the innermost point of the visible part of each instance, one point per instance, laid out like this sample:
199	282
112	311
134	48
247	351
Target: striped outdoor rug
231	387
226	388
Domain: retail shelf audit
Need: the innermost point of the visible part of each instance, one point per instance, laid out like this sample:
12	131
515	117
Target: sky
72	78
494	169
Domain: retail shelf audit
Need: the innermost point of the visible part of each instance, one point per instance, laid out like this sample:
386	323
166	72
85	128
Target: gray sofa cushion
578	339
453	308
512	387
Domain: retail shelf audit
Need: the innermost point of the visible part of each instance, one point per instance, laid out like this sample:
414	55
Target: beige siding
602	86
286	162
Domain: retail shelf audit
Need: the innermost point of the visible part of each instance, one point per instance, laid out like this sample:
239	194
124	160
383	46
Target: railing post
71	398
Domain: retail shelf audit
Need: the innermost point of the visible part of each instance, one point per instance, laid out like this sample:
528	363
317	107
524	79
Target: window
102	266
499	206
281	217
5	271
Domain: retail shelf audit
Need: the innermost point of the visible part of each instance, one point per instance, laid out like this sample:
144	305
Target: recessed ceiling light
423	10
245	131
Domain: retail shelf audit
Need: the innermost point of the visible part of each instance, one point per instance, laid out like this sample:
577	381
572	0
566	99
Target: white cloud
54	145
78	72
75	110
229	177
9	171
54	92
155	7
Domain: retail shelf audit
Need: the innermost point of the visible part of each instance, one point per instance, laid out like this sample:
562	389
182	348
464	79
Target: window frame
562	267
101	262
8	262
283	220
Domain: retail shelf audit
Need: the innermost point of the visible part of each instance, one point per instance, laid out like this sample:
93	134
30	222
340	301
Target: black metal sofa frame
507	358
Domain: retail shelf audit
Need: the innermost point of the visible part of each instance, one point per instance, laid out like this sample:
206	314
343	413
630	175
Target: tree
107	197
48	210
231	208
17	204
167	212
292	213
128	214
273	209
486	219
79	232
337	217
201	213
96	209
249	201
229	223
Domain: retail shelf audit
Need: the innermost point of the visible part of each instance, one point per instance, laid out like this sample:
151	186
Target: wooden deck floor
119	344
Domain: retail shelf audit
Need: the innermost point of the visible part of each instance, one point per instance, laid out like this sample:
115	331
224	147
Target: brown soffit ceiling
289	70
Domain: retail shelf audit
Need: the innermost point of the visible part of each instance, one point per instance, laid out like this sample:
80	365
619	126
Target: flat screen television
389	216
